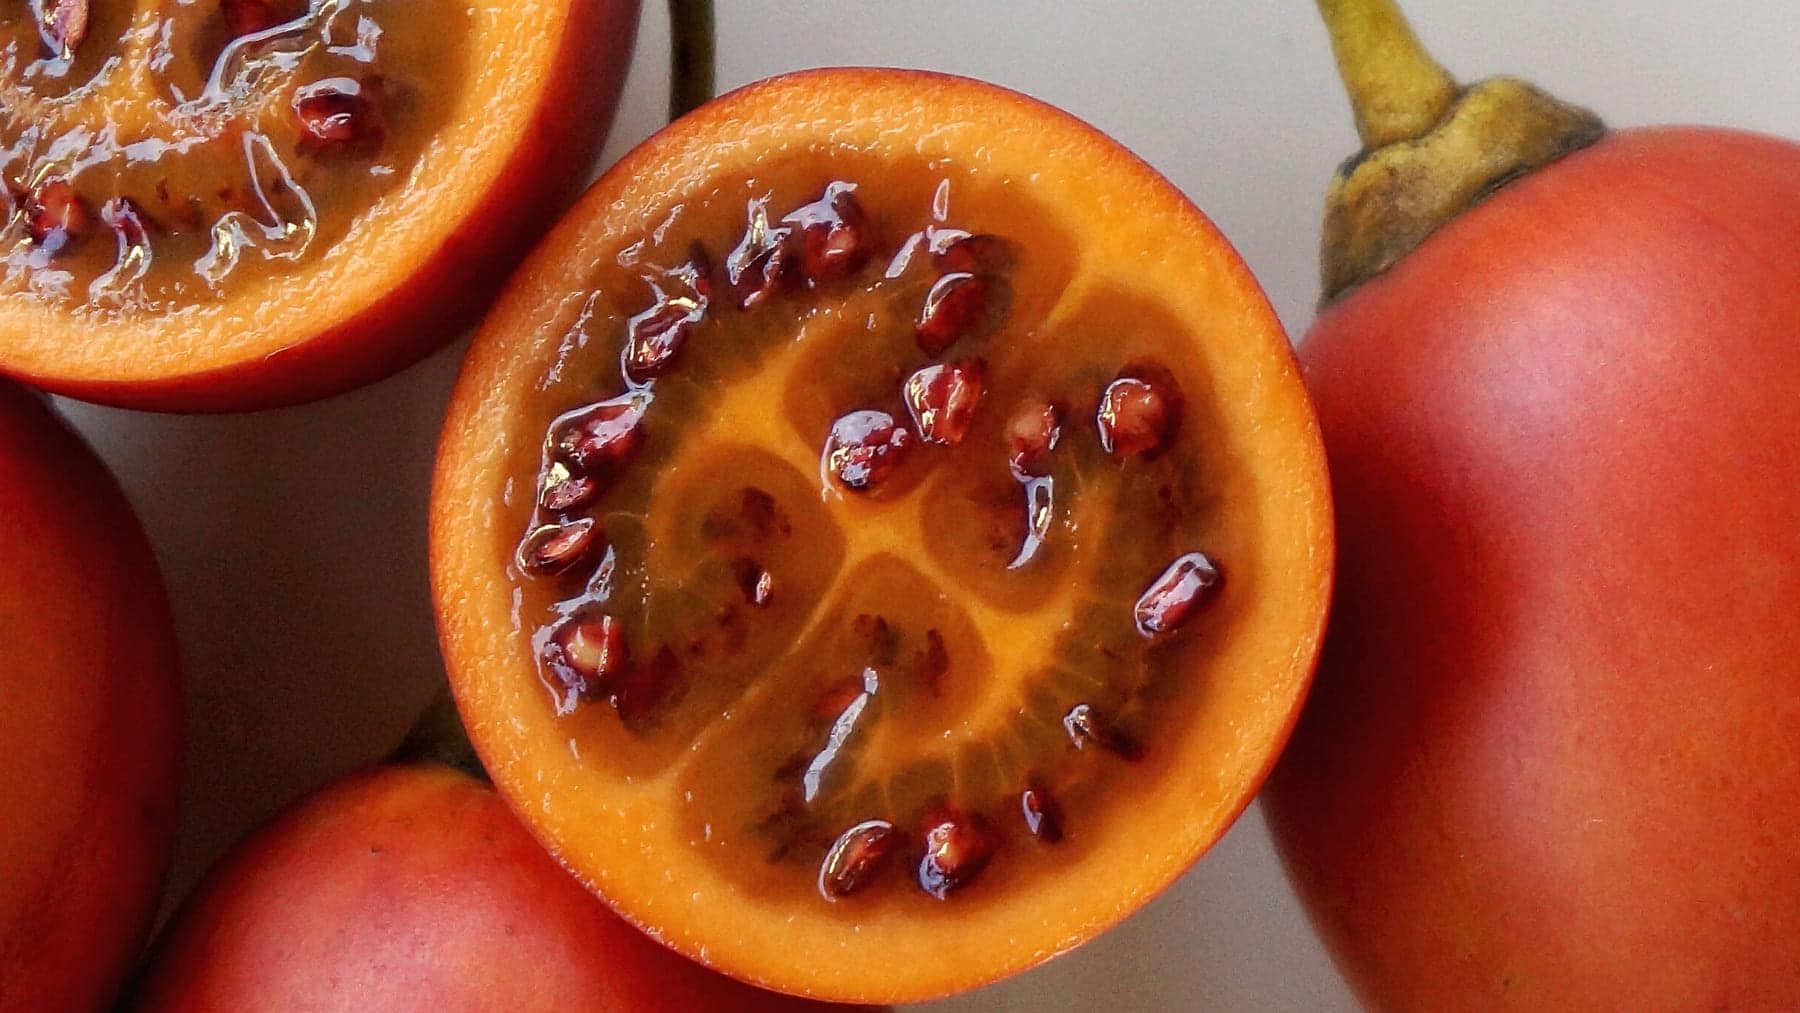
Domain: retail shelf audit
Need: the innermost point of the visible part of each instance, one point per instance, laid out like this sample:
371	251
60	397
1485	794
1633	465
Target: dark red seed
62	24
761	510
586	655
954	250
1172	599
880	637
1139	413
955	305
864	448
55	215
1040	513
337	111
639	688
932	663
855	858
564	491
757	583
602	437
1086	728
128	220
247	17
1030	437
833	235
554	548
655	336
957	848
943	398
1043	817
697	273
762	262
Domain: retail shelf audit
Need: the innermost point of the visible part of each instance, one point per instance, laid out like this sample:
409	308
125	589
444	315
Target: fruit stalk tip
1397	90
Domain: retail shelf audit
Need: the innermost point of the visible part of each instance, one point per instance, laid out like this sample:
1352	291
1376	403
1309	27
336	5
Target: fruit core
152	153
859	529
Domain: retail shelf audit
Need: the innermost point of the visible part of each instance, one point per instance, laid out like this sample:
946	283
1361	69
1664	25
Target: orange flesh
164	106
705	816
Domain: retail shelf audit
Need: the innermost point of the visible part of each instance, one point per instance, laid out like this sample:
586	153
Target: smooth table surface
294	544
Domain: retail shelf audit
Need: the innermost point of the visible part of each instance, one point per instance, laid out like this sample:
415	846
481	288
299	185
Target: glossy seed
1174	597
655	336
601	437
336	111
957	848
942	399
585	655
1086	728
1043	817
696	274
878	636
62	24
757	584
1031	435
954	250
1139	413
127	220
637	689
864	448
833	235
553	548
762	262
1040	514
562	490
763	513
932	663
855	858
55	215
955	305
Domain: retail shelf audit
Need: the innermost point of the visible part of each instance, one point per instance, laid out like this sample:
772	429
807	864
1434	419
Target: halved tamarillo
233	204
860	606
411	886
1553	757
90	718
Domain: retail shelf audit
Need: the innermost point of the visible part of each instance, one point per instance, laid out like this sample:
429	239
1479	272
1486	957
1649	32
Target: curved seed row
585	451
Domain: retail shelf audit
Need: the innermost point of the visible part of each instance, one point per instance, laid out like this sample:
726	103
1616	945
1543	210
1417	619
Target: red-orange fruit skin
433	301
1552	755
90	720
411	886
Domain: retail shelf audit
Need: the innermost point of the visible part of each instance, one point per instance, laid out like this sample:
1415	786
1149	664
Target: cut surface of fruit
248	202
874	434
411	887
90	717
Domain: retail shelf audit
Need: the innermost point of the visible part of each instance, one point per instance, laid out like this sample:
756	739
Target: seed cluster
1134	417
75	190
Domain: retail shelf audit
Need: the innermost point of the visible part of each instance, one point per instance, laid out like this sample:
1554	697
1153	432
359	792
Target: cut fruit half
880	540
234	204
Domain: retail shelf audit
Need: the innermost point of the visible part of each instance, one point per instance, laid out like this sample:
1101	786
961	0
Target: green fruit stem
692	56
1432	148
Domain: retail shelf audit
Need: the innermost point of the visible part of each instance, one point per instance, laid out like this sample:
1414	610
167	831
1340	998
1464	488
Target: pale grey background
294	541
